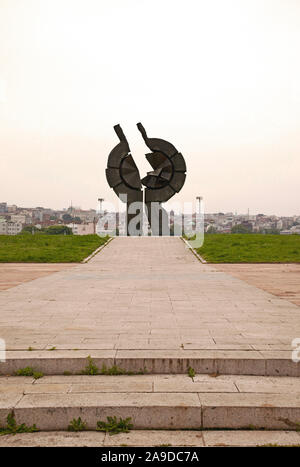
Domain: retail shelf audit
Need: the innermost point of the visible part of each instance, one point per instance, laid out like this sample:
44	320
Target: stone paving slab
155	401
156	383
147	410
54	439
13	274
153	438
282	280
148	301
245	438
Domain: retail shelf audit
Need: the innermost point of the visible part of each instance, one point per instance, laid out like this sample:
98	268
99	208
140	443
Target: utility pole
199	199
100	202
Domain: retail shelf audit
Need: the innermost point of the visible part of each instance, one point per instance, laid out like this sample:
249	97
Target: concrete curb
86	260
203	362
202	260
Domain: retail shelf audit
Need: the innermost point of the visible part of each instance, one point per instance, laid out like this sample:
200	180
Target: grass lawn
47	248
250	248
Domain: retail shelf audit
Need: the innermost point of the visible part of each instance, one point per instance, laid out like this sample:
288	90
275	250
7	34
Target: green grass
250	248
39	248
114	426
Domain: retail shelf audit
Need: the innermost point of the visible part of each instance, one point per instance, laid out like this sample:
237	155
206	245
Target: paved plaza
282	280
13	274
146	294
149	309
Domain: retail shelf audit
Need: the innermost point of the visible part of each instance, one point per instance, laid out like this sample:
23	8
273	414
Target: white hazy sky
220	79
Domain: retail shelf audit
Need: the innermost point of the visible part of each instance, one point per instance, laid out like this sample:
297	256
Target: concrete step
154	401
239	362
153	438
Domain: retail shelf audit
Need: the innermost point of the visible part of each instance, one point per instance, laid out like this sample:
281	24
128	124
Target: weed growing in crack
28	371
77	425
114	426
12	428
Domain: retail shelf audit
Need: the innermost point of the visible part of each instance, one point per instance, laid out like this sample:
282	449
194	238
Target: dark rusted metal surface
166	178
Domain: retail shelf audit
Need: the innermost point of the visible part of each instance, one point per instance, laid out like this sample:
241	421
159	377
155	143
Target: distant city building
3	207
83	229
84	222
10	228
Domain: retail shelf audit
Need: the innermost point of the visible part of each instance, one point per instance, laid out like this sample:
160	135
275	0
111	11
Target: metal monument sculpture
166	179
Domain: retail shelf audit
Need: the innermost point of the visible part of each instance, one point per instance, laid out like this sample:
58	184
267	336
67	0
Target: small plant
12	428
37	374
67	373
249	427
28	371
191	372
115	370
91	368
77	425
112	371
30	349
52	348
113	426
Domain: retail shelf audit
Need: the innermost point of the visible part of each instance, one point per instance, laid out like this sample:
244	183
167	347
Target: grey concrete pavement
154	438
146	294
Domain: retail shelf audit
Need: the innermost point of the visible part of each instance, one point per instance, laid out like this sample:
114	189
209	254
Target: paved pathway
145	293
282	280
154	438
12	274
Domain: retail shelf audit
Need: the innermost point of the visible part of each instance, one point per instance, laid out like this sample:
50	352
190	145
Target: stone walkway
13	274
154	438
282	280
147	305
145	294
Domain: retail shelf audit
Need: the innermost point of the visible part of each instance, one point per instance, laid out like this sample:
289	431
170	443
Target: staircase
179	409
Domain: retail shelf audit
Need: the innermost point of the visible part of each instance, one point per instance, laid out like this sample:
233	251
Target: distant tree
269	231
241	229
272	231
30	229
211	230
58	230
77	220
67	218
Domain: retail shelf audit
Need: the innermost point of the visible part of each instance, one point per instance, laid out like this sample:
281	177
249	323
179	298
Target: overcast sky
220	79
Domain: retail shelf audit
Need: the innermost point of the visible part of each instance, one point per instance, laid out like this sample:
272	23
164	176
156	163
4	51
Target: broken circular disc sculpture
166	178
